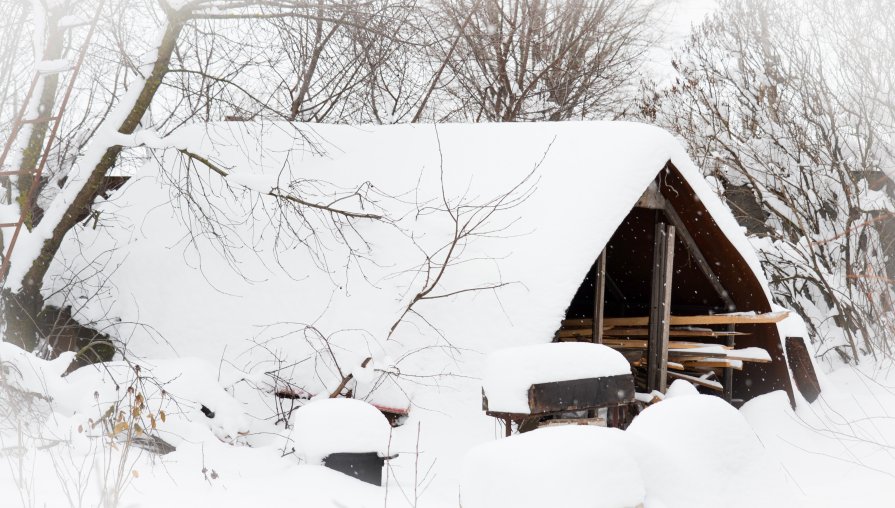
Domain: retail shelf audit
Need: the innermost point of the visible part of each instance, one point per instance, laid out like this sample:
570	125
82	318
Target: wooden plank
714	385
643	332
578	323
580	394
712	319
732	355
654	346
640	343
599	297
651	198
585	333
716	363
694	251
660	307
728	372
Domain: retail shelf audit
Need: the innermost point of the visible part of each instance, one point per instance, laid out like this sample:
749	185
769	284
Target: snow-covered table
527	384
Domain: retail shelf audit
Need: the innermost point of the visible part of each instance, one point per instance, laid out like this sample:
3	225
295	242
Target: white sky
675	19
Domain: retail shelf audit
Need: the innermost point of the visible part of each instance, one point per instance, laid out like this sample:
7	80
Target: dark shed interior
708	276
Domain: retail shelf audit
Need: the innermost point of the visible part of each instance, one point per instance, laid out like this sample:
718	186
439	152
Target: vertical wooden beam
599	296
728	372
660	307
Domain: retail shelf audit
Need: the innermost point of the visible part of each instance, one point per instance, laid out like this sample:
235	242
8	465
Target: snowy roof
326	426
282	300
510	372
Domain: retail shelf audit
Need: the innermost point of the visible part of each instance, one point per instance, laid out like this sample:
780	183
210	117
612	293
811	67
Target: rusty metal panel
580	394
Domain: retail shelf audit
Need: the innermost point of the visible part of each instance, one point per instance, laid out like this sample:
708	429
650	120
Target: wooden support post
728	371
660	308
599	296
509	426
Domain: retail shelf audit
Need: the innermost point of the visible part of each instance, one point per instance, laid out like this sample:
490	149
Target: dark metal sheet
580	394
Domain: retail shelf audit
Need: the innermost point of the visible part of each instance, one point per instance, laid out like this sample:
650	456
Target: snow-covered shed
574	239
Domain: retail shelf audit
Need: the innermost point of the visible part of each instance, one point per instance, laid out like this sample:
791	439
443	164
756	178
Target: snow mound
510	372
581	466
181	387
680	388
26	372
689	450
685	438
328	426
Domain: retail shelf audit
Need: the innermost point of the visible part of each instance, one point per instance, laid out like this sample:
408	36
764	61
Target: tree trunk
35	146
21	310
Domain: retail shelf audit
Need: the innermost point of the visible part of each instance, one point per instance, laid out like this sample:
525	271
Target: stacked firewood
697	354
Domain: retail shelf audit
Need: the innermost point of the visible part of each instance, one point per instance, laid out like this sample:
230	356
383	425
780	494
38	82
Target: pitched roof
587	176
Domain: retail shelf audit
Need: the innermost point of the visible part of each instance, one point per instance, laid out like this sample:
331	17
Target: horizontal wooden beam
642	343
712	319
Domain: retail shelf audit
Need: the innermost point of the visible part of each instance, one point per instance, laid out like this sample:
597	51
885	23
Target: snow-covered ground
688	450
214	340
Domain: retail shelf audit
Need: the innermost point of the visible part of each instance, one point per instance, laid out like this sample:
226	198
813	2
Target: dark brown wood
694	251
660	308
643	332
599	297
580	394
742	283
728	372
711	319
802	369
651	199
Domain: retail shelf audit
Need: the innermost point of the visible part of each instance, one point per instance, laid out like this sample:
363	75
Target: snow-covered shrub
781	103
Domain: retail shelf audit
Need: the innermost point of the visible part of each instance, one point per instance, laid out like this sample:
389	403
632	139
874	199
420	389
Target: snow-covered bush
783	104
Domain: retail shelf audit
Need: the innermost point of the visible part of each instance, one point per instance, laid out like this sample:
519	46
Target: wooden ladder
20	121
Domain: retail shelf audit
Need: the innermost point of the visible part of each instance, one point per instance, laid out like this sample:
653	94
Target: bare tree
139	104
525	60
